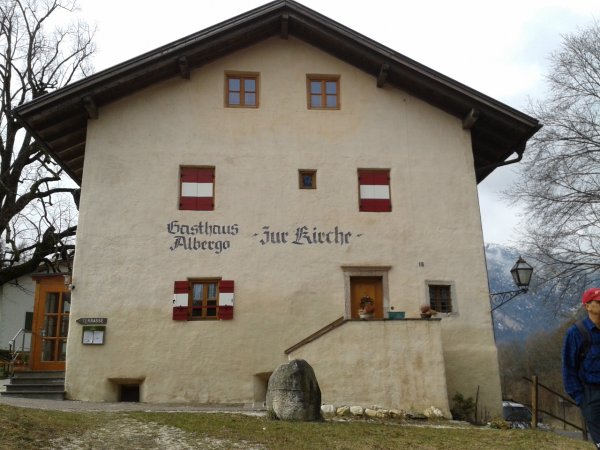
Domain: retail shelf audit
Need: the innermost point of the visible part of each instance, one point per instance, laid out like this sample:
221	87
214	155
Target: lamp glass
521	273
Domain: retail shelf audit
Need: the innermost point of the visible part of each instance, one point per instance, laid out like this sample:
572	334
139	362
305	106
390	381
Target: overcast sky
498	48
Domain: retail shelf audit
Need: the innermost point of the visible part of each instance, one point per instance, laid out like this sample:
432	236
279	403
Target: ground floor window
440	297
203	299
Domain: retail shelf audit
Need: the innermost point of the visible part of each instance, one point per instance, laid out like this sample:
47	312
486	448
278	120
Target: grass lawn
28	429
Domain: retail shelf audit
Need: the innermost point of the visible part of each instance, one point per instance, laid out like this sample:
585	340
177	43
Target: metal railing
537	406
19	348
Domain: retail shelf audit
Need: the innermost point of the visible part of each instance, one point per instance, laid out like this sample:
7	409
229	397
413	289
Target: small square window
323	91
307	179
440	298
241	90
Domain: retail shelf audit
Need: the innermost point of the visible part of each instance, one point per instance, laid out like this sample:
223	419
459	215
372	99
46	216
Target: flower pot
396	315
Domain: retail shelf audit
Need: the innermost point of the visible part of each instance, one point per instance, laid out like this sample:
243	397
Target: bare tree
560	182
37	214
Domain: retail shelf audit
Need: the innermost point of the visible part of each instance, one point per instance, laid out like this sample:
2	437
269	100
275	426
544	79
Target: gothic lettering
203	228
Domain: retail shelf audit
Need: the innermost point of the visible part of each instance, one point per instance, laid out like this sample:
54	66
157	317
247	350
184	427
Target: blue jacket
577	373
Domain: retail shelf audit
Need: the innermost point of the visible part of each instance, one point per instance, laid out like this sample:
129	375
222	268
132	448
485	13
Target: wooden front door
50	324
361	287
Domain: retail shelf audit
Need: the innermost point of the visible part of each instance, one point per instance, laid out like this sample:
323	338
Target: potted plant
427	312
366	309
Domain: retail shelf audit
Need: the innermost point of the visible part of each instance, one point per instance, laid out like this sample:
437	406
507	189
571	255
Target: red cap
590	294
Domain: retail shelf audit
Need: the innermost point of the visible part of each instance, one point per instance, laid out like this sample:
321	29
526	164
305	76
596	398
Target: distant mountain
527	313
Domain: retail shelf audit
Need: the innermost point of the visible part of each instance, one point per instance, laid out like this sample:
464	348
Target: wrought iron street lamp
521	273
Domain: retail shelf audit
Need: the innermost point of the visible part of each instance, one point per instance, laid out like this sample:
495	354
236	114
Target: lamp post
521	273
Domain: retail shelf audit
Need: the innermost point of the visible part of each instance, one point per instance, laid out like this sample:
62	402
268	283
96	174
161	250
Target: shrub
499	423
463	408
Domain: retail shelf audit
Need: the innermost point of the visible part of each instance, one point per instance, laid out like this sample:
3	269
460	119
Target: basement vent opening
129	393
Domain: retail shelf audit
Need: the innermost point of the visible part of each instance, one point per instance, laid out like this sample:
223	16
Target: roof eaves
150	67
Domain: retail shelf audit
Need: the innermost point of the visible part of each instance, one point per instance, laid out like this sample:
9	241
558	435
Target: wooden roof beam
184	67
470	119
76	163
71	152
285	22
90	106
383	74
67	140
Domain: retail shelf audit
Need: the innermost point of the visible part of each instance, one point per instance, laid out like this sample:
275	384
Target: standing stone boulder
293	392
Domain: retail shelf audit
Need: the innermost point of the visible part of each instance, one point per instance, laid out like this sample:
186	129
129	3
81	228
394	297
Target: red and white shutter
226	299
180	300
197	185
374	190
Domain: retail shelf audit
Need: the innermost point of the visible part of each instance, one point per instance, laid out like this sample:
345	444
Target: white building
247	186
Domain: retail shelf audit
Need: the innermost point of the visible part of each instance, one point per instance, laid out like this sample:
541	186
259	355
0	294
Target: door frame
44	283
366	271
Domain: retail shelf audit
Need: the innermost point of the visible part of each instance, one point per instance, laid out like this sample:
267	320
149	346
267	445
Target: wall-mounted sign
204	236
305	235
92	321
93	335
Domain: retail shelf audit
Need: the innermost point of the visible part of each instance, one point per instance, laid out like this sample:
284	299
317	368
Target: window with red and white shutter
181	300
374	190
198	300
197	188
225	311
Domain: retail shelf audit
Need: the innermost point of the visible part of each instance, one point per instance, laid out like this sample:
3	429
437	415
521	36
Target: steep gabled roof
59	119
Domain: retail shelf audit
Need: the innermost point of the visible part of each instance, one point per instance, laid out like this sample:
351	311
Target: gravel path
132	434
74	405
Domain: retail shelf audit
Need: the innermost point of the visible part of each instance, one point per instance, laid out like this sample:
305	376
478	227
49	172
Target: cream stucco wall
125	269
395	363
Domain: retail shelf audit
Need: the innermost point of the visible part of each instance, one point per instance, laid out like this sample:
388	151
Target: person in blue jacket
581	364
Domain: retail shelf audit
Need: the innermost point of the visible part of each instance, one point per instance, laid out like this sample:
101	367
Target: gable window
440	298
241	91
307	179
197	188
203	299
323	91
374	190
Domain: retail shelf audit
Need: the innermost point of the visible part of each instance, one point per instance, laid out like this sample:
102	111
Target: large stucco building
247	186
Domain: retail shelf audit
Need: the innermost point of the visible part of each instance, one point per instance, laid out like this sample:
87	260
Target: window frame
242	77
199	169
307	172
203	308
452	296
365	271
310	78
